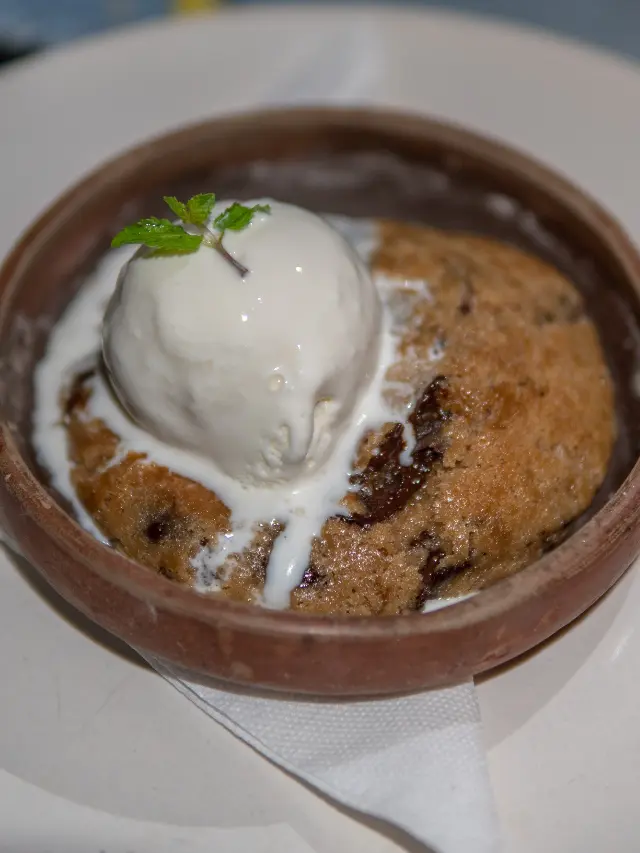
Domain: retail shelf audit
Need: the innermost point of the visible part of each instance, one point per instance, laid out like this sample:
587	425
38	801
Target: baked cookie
513	416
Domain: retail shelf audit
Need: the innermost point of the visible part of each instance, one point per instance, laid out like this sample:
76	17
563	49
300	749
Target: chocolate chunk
385	486
427	571
567	310
549	541
462	271
422	539
310	578
160	528
434	578
79	393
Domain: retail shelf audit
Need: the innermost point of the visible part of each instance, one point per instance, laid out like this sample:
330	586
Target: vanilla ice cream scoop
260	374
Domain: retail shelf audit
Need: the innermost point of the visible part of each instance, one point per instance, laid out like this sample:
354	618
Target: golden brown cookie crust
515	426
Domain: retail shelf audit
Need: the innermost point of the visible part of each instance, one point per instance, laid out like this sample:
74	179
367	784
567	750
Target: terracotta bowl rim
582	550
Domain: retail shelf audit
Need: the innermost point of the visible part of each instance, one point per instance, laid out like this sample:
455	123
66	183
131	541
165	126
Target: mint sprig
196	211
159	234
237	216
166	238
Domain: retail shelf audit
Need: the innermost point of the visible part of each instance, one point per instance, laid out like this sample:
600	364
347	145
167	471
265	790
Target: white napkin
417	761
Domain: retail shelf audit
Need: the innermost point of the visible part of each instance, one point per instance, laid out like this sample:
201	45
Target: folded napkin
416	762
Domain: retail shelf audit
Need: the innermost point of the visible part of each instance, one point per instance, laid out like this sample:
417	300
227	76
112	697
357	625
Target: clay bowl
358	163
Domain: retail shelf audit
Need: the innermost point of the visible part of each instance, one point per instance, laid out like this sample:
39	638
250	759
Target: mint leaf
196	211
159	234
238	216
199	208
177	207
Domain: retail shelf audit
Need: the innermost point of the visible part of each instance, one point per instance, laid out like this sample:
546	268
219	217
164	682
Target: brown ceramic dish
357	163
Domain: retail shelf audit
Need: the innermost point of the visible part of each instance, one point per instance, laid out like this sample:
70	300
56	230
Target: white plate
83	720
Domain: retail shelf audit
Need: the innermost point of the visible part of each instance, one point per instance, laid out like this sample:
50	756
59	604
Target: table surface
614	24
82	720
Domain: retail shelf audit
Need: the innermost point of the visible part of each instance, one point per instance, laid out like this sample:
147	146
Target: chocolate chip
427	570
462	271
310	578
79	393
567	310
447	574
544	318
385	486
422	539
86	375
160	527
548	541
434	578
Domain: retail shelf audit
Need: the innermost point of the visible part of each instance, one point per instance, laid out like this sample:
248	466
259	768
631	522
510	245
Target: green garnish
237	217
196	211
167	238
159	234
